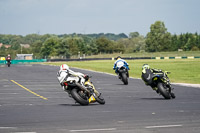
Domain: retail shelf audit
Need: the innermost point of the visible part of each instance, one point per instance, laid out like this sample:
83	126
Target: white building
24	57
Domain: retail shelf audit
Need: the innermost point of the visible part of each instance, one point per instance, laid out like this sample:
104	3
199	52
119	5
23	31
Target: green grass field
145	54
182	70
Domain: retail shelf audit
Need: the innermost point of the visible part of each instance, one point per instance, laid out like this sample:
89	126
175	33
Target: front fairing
92	99
91	86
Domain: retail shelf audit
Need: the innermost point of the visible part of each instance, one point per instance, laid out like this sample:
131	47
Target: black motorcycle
8	63
161	84
123	74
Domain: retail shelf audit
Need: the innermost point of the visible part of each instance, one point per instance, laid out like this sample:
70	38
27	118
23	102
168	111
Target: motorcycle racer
8	59
147	75
78	86
65	74
158	80
120	62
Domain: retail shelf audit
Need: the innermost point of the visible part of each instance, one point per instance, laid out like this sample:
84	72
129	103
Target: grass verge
145	54
182	70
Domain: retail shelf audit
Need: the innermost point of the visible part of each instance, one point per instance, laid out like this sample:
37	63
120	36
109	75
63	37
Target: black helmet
118	57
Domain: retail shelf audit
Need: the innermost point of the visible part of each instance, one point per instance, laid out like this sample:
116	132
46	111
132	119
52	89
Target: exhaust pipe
82	87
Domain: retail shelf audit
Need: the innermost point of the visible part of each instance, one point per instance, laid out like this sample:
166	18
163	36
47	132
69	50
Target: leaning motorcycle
122	73
83	94
161	82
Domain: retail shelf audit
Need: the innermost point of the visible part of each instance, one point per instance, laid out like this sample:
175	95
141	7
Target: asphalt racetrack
32	101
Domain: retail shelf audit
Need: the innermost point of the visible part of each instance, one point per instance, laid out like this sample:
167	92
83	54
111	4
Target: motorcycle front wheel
79	96
163	91
100	99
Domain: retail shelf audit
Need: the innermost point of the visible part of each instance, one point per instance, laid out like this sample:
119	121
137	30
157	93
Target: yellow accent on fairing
155	78
89	83
92	99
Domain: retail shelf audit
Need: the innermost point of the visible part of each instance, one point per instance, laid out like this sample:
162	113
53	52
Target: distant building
1	44
5	45
24	57
25	45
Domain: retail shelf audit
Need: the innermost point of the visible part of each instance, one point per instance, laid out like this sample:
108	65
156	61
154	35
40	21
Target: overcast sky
24	17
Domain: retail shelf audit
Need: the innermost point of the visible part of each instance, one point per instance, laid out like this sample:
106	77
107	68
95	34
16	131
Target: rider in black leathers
147	75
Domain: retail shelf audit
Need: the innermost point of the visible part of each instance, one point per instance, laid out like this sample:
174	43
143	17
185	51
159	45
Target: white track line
24	132
163	126
92	130
8	127
9	93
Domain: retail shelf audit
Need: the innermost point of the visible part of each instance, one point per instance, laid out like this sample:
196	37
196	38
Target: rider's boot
155	89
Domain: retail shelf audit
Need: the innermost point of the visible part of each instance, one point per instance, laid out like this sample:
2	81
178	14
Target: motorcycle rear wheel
77	97
124	78
163	91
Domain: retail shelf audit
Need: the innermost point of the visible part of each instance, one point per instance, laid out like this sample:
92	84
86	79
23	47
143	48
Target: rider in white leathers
65	75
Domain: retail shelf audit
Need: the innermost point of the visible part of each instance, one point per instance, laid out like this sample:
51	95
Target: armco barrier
83	59
125	58
179	57
90	59
24	61
196	56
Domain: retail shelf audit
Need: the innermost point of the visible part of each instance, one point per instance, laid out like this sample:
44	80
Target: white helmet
64	67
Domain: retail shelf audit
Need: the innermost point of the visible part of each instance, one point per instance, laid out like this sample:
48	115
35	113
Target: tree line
69	45
159	39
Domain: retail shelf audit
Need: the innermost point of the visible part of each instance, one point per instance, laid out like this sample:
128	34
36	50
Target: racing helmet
145	66
64	67
118	57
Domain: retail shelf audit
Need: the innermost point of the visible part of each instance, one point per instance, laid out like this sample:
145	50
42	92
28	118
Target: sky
22	17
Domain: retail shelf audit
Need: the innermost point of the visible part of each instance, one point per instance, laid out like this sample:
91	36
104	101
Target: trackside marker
162	126
92	130
29	90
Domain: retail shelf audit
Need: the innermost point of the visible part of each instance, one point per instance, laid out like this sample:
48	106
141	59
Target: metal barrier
23	61
90	59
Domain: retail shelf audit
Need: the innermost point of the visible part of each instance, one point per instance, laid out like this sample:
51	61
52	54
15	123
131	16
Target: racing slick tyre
79	96
163	91
173	95
100	99
124	78
8	64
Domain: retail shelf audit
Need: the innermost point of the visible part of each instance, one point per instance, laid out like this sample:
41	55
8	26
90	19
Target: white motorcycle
81	89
